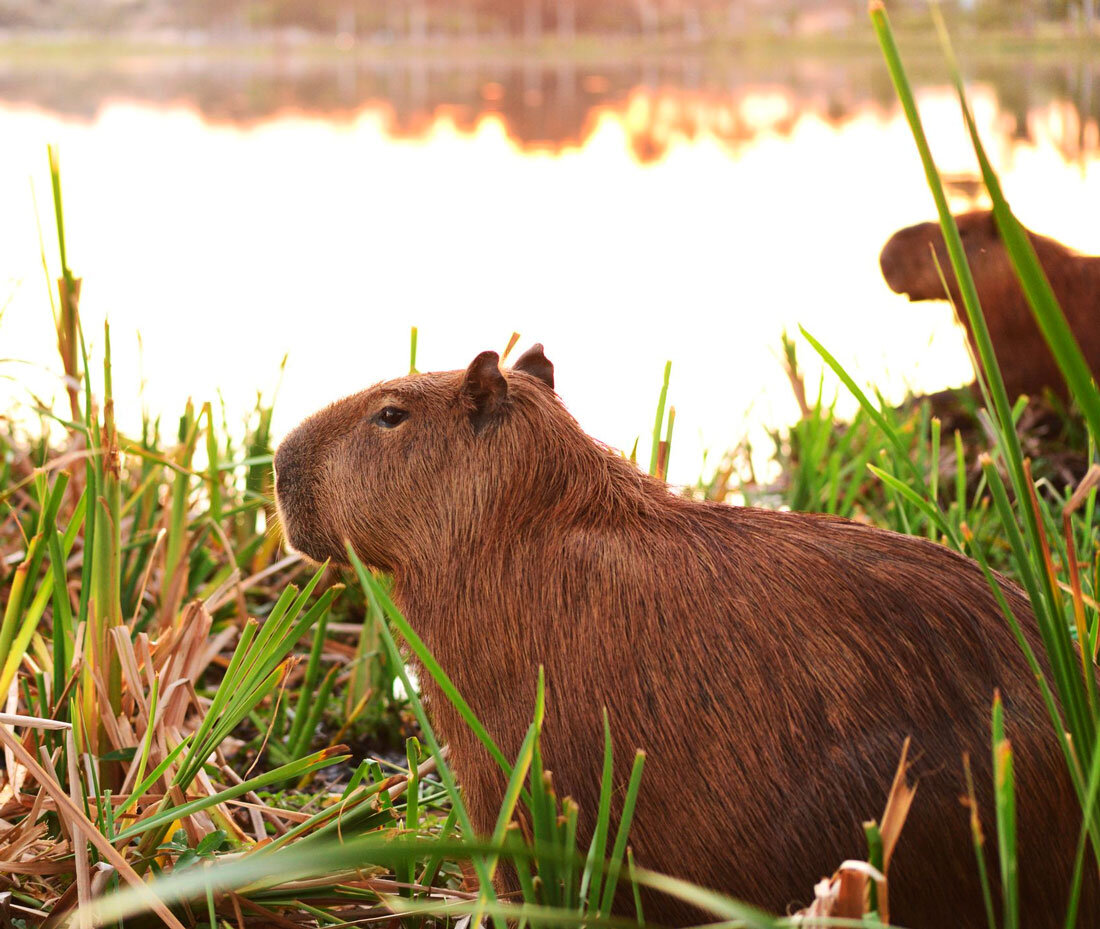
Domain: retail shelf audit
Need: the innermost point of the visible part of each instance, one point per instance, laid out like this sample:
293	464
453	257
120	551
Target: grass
177	692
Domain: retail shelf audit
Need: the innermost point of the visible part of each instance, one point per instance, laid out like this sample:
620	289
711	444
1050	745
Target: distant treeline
532	19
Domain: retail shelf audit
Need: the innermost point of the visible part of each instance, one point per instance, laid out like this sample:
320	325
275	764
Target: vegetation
177	692
420	20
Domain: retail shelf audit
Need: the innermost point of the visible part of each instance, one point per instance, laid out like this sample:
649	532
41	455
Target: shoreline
85	48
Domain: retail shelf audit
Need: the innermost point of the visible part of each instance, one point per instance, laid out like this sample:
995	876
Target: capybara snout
297	492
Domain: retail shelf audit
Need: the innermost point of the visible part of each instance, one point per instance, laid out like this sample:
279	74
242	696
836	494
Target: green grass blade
418	648
594	865
292	771
1044	305
659	420
1091	794
1005	805
625	820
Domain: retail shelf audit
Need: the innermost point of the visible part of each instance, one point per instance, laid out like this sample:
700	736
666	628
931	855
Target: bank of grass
826	465
177	692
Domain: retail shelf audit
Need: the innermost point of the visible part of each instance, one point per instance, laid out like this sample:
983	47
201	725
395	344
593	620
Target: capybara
770	664
1026	363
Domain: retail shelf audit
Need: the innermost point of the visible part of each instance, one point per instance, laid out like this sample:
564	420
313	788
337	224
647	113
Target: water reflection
552	107
232	212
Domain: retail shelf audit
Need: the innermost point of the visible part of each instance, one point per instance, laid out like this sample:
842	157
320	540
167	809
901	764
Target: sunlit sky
227	247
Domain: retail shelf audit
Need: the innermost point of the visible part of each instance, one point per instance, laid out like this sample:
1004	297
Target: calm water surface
235	212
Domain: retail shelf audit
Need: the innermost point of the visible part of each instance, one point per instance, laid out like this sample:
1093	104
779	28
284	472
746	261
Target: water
235	210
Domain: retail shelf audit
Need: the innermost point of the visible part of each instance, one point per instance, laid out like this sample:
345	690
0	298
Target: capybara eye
390	416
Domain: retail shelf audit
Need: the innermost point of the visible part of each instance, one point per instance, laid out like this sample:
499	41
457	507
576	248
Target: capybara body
1026	363
770	664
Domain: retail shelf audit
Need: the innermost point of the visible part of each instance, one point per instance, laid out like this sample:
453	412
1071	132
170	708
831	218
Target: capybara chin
770	664
1026	363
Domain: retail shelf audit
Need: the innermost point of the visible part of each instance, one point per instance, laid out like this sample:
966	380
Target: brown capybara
770	664
1025	360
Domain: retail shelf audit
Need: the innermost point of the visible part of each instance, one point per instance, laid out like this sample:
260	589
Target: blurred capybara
770	664
1026	363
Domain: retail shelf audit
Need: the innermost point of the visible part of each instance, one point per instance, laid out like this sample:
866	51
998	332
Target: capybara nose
295	498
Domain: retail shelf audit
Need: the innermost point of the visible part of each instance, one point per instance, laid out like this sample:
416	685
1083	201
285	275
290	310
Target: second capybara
1026	363
770	664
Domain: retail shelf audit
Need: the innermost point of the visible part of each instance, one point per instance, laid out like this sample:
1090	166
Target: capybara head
906	259
1026	363
386	468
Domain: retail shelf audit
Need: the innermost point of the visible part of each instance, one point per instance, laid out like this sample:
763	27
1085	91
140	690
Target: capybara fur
1026	363
770	664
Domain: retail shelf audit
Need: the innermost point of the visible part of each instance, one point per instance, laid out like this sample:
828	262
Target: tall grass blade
1005	804
659	420
1048	314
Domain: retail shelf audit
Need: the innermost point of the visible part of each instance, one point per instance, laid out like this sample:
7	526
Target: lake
237	208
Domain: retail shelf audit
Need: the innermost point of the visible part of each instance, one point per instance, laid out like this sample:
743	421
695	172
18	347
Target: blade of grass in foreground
977	839
67	321
1048	314
1082	842
1045	600
324	758
619	849
659	420
418	648
1006	435
291	864
593	868
1044	305
952	240
256	871
1005	801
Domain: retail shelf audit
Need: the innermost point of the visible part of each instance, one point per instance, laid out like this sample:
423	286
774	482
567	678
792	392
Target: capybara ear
484	387
535	363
